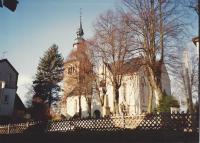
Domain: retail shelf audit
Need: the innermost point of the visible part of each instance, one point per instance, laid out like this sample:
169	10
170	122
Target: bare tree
192	5
80	80
113	45
157	28
29	95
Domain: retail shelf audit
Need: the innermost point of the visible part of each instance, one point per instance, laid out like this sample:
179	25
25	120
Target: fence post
8	128
47	126
124	121
27	124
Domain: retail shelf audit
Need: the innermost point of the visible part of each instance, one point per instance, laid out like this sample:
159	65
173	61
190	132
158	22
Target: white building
74	96
8	87
133	93
135	88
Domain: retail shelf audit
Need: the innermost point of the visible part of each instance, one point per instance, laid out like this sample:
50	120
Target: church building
82	97
77	82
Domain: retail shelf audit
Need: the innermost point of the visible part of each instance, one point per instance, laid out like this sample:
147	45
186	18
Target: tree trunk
161	31
155	87
89	107
150	100
49	102
116	100
80	109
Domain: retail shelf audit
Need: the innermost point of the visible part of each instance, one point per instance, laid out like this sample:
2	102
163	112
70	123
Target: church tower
79	39
77	68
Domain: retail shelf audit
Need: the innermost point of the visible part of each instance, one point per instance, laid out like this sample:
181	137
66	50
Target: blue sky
37	24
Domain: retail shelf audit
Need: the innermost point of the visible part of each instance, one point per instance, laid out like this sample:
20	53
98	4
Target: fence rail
175	122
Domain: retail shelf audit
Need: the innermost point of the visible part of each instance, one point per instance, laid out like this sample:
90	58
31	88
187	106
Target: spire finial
80	17
81	33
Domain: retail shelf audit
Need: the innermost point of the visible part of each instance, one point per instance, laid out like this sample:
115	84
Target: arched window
71	70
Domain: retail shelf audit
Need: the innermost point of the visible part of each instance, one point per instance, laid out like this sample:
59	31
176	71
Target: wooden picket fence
174	122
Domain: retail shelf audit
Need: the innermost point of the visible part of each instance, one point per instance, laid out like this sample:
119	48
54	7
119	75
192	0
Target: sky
38	24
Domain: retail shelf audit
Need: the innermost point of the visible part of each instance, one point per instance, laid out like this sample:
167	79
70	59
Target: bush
166	102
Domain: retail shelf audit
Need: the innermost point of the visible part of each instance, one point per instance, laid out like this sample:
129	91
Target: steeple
80	32
79	39
81	29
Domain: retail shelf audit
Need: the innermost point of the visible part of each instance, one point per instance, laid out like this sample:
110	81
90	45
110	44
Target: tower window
71	70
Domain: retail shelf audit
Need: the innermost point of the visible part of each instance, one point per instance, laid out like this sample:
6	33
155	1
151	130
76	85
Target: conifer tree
49	75
166	102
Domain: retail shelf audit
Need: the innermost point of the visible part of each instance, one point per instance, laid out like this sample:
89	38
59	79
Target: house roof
19	104
5	60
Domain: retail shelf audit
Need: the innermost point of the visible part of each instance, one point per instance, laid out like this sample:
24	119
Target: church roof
131	66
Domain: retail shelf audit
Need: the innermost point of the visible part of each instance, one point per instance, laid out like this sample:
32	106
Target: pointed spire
80	32
80	19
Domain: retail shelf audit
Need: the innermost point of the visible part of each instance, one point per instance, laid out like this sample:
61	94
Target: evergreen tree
166	102
49	75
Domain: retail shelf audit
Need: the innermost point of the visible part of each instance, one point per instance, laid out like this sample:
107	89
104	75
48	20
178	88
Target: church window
71	70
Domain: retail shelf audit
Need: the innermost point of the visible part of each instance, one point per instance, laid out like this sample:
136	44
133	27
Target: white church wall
84	107
73	106
165	80
110	96
96	104
133	93
136	95
144	92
